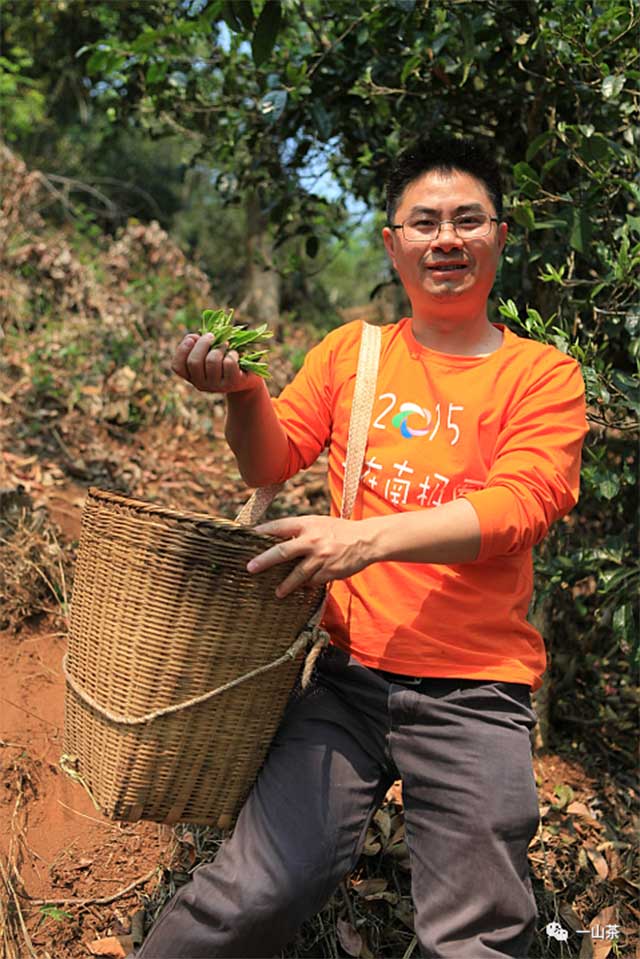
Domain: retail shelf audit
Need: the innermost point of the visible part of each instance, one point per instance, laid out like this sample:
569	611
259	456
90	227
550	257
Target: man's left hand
329	548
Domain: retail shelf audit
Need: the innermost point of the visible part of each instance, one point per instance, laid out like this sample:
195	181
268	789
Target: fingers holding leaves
219	323
222	357
179	361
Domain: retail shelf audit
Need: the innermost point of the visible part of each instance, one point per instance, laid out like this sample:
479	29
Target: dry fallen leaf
598	861
110	946
371	846
399	850
569	917
606	917
394	793
383	821
599	944
350	939
614	862
398	835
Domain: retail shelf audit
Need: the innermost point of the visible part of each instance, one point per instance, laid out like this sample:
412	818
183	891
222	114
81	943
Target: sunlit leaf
156	72
524	216
564	794
612	85
609	487
272	105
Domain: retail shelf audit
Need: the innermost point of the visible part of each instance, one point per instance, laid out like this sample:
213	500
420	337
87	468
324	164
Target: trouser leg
299	833
471	809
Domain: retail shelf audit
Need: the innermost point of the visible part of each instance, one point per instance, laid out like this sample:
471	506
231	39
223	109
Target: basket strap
364	394
366	378
255	508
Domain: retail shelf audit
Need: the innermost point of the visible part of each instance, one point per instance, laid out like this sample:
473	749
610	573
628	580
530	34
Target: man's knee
262	892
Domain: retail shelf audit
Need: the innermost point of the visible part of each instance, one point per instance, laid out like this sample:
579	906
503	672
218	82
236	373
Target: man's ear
389	241
503	230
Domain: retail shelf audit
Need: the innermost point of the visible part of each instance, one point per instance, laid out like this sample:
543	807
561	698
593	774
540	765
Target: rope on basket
315	634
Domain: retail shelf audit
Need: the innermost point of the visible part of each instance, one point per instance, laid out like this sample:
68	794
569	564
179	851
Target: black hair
444	153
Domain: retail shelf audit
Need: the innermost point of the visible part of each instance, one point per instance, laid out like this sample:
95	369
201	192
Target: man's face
447	270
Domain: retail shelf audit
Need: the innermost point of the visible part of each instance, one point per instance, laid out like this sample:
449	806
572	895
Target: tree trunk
262	298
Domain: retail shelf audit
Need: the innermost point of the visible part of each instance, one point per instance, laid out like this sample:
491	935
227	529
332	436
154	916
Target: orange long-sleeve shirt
505	431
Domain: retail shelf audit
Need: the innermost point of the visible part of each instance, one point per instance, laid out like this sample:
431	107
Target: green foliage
356	265
22	103
53	912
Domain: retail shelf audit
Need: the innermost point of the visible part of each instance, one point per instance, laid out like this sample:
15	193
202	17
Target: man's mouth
446	267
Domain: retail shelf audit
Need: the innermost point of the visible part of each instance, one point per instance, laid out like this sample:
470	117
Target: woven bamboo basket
164	612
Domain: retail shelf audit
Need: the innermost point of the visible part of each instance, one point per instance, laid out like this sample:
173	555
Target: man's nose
447	237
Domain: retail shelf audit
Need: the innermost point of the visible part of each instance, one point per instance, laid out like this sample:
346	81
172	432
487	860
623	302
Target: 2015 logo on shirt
433	424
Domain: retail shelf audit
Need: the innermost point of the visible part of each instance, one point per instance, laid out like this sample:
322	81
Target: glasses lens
472	224
421	228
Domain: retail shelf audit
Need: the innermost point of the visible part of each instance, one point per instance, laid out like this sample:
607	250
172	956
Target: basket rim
98	495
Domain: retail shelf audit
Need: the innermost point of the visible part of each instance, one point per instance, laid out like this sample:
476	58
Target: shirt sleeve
534	478
304	409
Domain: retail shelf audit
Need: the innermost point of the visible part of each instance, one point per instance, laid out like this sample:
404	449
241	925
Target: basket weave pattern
163	611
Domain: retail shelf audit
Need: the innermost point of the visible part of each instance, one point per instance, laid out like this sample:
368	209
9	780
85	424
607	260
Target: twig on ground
7	939
100	822
14	899
68	765
103	901
410	948
29	713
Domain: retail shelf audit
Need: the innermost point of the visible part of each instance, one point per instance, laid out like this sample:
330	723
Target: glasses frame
400	226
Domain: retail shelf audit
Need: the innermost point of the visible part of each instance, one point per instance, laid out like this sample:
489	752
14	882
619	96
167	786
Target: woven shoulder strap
364	394
363	397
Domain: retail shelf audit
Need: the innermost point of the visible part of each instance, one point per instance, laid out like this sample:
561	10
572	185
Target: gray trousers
462	750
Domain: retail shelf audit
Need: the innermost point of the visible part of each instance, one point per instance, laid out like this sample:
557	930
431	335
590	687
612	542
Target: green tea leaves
220	324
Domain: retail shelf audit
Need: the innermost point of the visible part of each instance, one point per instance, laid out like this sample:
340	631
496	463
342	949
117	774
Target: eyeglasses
421	228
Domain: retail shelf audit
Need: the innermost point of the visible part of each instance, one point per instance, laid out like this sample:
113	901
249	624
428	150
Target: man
473	451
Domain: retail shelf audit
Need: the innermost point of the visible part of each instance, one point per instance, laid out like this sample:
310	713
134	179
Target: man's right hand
212	371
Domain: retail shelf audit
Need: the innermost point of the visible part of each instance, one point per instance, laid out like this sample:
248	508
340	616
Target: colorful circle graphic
400	420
